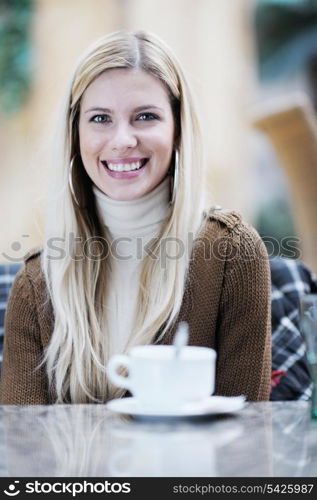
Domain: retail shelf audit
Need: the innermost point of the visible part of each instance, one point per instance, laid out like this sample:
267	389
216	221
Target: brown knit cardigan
226	303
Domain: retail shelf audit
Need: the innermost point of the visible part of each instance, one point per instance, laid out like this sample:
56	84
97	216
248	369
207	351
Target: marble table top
263	439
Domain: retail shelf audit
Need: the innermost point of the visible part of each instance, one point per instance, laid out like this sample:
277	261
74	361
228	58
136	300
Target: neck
134	216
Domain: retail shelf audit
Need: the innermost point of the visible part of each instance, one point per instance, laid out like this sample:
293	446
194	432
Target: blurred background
252	65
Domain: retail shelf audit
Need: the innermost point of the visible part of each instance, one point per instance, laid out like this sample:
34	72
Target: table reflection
264	439
297	435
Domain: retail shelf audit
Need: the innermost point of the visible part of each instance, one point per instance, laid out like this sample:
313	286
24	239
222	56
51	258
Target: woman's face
126	132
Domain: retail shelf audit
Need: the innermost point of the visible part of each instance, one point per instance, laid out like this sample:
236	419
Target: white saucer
214	405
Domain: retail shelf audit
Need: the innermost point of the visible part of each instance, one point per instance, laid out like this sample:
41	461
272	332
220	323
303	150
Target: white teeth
124	167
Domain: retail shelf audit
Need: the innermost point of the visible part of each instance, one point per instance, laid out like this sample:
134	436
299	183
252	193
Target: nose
123	138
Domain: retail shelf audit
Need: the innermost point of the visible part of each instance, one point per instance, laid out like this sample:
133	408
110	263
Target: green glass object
308	325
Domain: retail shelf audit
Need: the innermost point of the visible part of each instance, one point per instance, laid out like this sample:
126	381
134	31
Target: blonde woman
131	249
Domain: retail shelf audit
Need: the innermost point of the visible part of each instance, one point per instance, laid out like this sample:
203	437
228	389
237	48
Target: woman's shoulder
28	278
229	223
33	258
30	270
30	284
223	217
33	255
236	240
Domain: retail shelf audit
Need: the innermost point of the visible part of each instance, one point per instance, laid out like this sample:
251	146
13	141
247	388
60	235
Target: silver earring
175	175
70	180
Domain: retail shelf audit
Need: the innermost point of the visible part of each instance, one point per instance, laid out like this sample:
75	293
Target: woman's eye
147	116
100	119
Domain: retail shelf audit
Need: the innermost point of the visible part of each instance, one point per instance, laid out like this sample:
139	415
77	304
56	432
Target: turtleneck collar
134	216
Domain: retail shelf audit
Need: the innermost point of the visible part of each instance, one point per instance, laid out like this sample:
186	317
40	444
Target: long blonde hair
80	345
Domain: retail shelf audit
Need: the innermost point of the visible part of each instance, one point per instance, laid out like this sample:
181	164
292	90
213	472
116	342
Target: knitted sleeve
244	330
22	381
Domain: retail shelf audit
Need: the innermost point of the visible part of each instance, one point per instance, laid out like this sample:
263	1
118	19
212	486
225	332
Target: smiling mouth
125	167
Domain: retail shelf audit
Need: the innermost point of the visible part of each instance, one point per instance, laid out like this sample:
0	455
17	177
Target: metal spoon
181	337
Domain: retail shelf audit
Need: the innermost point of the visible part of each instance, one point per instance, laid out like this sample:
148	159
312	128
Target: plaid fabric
290	280
7	275
290	376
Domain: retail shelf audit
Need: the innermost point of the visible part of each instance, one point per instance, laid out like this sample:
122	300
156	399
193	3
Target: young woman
130	249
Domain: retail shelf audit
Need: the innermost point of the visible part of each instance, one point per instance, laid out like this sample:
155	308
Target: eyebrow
139	108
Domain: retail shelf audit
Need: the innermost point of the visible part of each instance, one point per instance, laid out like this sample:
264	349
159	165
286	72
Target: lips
125	164
125	168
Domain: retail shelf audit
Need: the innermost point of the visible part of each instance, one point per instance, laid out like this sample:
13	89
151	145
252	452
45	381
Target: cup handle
117	361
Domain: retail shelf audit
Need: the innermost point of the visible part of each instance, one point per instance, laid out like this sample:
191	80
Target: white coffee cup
157	378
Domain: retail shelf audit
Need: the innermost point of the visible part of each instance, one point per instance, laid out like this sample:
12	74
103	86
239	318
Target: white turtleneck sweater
131	224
